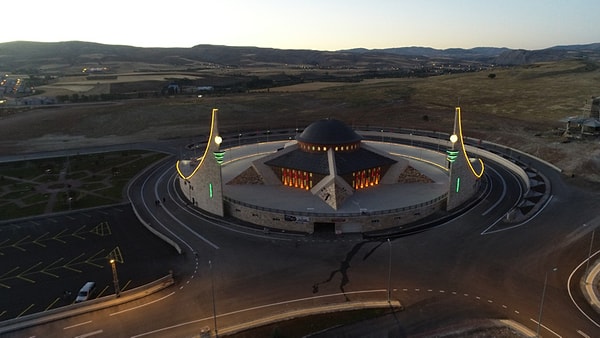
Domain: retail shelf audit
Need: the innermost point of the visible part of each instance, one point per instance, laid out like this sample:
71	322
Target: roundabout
328	179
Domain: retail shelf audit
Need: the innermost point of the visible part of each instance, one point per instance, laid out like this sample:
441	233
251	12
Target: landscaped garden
35	187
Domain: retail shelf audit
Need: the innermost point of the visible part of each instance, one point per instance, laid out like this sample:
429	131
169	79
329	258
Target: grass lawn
30	188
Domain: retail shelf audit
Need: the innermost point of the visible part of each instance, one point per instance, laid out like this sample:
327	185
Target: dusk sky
308	24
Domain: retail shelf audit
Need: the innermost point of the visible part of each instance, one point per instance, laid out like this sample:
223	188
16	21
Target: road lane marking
253	309
571	295
76	325
545	327
583	334
151	213
500	200
161	178
89	334
140	306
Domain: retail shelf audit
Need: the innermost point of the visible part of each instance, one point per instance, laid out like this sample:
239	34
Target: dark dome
328	132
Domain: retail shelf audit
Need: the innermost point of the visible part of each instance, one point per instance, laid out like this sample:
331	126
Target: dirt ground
75	126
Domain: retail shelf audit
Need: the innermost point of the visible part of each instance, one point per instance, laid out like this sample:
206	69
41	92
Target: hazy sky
306	24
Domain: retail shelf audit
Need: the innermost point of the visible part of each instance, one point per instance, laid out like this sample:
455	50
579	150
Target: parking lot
45	260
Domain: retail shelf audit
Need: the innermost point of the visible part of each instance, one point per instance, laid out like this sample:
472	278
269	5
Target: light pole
389	273
542	302
212	286
587	267
113	265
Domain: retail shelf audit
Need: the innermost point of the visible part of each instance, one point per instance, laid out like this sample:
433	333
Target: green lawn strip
16	194
35	198
93	186
11	210
78	175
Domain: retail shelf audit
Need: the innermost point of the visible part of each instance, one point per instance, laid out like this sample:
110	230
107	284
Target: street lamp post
113	265
539	324
587	267
389	272
212	284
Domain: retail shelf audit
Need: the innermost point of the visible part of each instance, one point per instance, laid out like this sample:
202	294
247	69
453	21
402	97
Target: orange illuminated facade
326	149
296	178
366	178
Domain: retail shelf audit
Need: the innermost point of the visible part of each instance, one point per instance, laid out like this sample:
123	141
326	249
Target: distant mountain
26	55
494	55
479	53
521	56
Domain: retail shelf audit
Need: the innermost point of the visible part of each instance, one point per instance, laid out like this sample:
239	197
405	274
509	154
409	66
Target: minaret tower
464	171
203	186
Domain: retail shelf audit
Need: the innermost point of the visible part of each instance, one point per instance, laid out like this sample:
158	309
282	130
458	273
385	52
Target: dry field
520	107
95	86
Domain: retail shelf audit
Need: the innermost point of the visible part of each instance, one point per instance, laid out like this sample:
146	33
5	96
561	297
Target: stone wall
304	222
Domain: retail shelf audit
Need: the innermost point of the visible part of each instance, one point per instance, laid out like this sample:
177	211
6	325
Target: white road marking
571	295
583	334
545	327
501	197
76	325
253	309
89	334
140	306
165	209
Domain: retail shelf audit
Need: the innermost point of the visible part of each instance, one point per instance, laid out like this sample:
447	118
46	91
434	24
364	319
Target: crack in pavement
345	265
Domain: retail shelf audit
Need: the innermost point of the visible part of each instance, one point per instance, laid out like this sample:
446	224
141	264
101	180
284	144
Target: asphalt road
474	266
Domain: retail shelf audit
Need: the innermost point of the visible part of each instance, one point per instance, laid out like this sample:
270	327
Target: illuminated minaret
464	177
204	187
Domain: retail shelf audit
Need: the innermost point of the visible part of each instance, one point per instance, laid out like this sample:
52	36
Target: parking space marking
68	265
102	292
102	229
28	272
3	277
76	233
36	241
52	267
24	311
91	260
57	237
16	244
52	304
126	285
2	246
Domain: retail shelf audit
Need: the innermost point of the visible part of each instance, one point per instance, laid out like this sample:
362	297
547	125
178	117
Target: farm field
520	107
